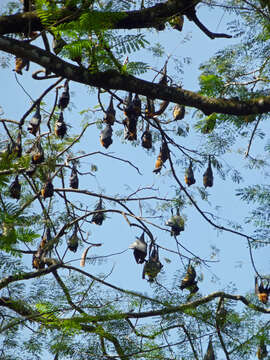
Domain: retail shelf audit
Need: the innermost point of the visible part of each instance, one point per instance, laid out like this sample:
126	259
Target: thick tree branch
137	19
112	79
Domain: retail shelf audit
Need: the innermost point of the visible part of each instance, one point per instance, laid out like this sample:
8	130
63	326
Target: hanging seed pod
64	98
162	157
47	190
140	249
35	122
98	217
130	131
137	105
210	351
73	241
21	63
106	136
15	189
147	138
189	175
109	117
189	282
73	179
152	267
208	178
179	112
37	153
60	127
177	223
262	350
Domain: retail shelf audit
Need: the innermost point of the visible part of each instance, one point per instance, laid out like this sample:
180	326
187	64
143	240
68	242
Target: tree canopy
109	113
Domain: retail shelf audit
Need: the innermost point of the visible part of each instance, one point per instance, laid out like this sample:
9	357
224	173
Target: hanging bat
60	127
262	350
106	136
137	105
130	123
128	108
177	223
208	178
73	241
152	266
47	190
73	179
162	157
149	109
147	138
189	175
109	117
262	291
37	153
15	189
177	22
140	249
210	355
35	122
21	63
65	97
45	246
99	216
179	112
17	146
189	282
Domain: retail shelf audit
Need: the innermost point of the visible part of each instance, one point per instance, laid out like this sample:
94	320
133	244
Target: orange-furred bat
35	122
189	282
147	138
109	117
152	266
189	175
162	157
262	291
47	190
179	112
106	136
37	153
60	127
130	131
21	63
208	178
